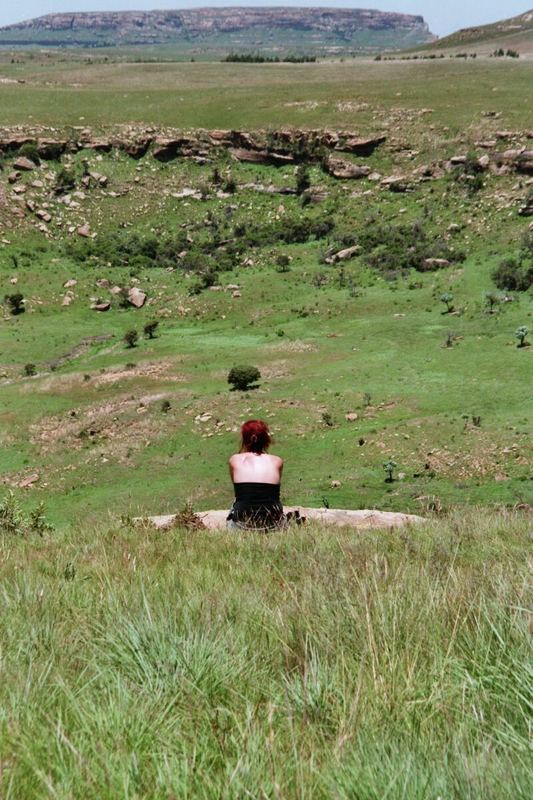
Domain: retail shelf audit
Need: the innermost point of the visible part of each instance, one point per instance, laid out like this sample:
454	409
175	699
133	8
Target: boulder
51	148
345	170
351	417
103	283
138	148
84	230
344	254
70	283
13	177
432	264
67	299
101	306
361	147
396	183
136	297
24	164
261	156
98	145
44	215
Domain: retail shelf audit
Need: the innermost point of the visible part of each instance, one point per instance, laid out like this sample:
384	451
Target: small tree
150	329
492	300
15	302
29	370
521	334
447	299
131	338
389	467
302	180
243	377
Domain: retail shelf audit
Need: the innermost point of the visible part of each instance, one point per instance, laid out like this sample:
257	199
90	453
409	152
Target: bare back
255	468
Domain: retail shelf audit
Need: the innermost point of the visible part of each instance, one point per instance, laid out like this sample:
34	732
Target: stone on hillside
99	145
103	283
115	290
19	189
136	297
396	183
336	484
236	293
431	264
84	230
51	148
351	417
13	177
484	162
24	164
361	147
260	156
67	299
44	215
26	483
139	148
345	170
344	254
101	306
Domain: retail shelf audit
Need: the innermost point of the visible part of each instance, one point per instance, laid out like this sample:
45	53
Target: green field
330	340
141	664
314	663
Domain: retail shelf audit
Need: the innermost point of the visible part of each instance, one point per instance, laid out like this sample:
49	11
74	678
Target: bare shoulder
233	459
277	460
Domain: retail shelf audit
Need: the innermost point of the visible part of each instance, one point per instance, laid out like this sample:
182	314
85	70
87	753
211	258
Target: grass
317	663
60	91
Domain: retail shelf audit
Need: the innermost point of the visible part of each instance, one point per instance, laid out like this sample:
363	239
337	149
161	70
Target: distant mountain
240	29
515	33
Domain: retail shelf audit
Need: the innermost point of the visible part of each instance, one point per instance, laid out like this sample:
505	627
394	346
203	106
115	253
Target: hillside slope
317	29
515	33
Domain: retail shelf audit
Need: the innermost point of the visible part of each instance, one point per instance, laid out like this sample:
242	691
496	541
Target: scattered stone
26	483
70	283
136	297
24	164
103	283
84	230
44	215
101	306
351	417
13	177
236	294
67	299
344	254
336	484
435	263
345	170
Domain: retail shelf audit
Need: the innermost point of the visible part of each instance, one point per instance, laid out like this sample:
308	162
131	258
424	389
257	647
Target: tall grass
313	664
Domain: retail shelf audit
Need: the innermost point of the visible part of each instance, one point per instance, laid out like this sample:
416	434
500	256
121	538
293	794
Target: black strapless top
257	505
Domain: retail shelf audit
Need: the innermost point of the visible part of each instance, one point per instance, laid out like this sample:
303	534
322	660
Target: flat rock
343	169
24	163
358	520
101	306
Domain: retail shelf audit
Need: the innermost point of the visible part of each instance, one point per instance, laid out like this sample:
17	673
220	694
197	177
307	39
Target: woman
256	477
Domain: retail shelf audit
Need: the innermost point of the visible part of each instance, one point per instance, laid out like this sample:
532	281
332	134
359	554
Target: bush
30	370
521	334
29	150
150	329
513	275
65	181
14	522
131	338
302	180
15	302
244	377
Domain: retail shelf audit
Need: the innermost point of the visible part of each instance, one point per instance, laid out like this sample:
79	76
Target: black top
257	505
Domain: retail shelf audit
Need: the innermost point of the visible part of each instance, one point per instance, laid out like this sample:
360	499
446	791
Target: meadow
317	663
311	664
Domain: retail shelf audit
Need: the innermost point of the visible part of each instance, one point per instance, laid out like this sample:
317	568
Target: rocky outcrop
341	168
323	27
358	520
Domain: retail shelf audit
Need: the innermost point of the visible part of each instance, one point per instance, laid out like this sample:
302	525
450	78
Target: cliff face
158	27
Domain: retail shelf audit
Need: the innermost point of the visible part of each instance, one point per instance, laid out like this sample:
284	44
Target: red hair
255	436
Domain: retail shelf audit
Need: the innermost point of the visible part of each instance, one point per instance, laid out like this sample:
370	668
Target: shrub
150	329
14	522
513	275
131	338
521	334
165	406
447	299
65	181
15	303
29	370
29	150
389	467
283	262
491	300
302	180
244	377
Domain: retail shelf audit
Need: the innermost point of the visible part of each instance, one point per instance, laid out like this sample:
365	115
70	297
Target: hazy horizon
441	18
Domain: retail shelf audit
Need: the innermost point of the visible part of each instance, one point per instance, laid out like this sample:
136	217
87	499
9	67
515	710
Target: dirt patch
117	427
79	349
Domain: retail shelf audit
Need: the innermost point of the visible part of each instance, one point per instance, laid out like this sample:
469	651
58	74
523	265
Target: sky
443	16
